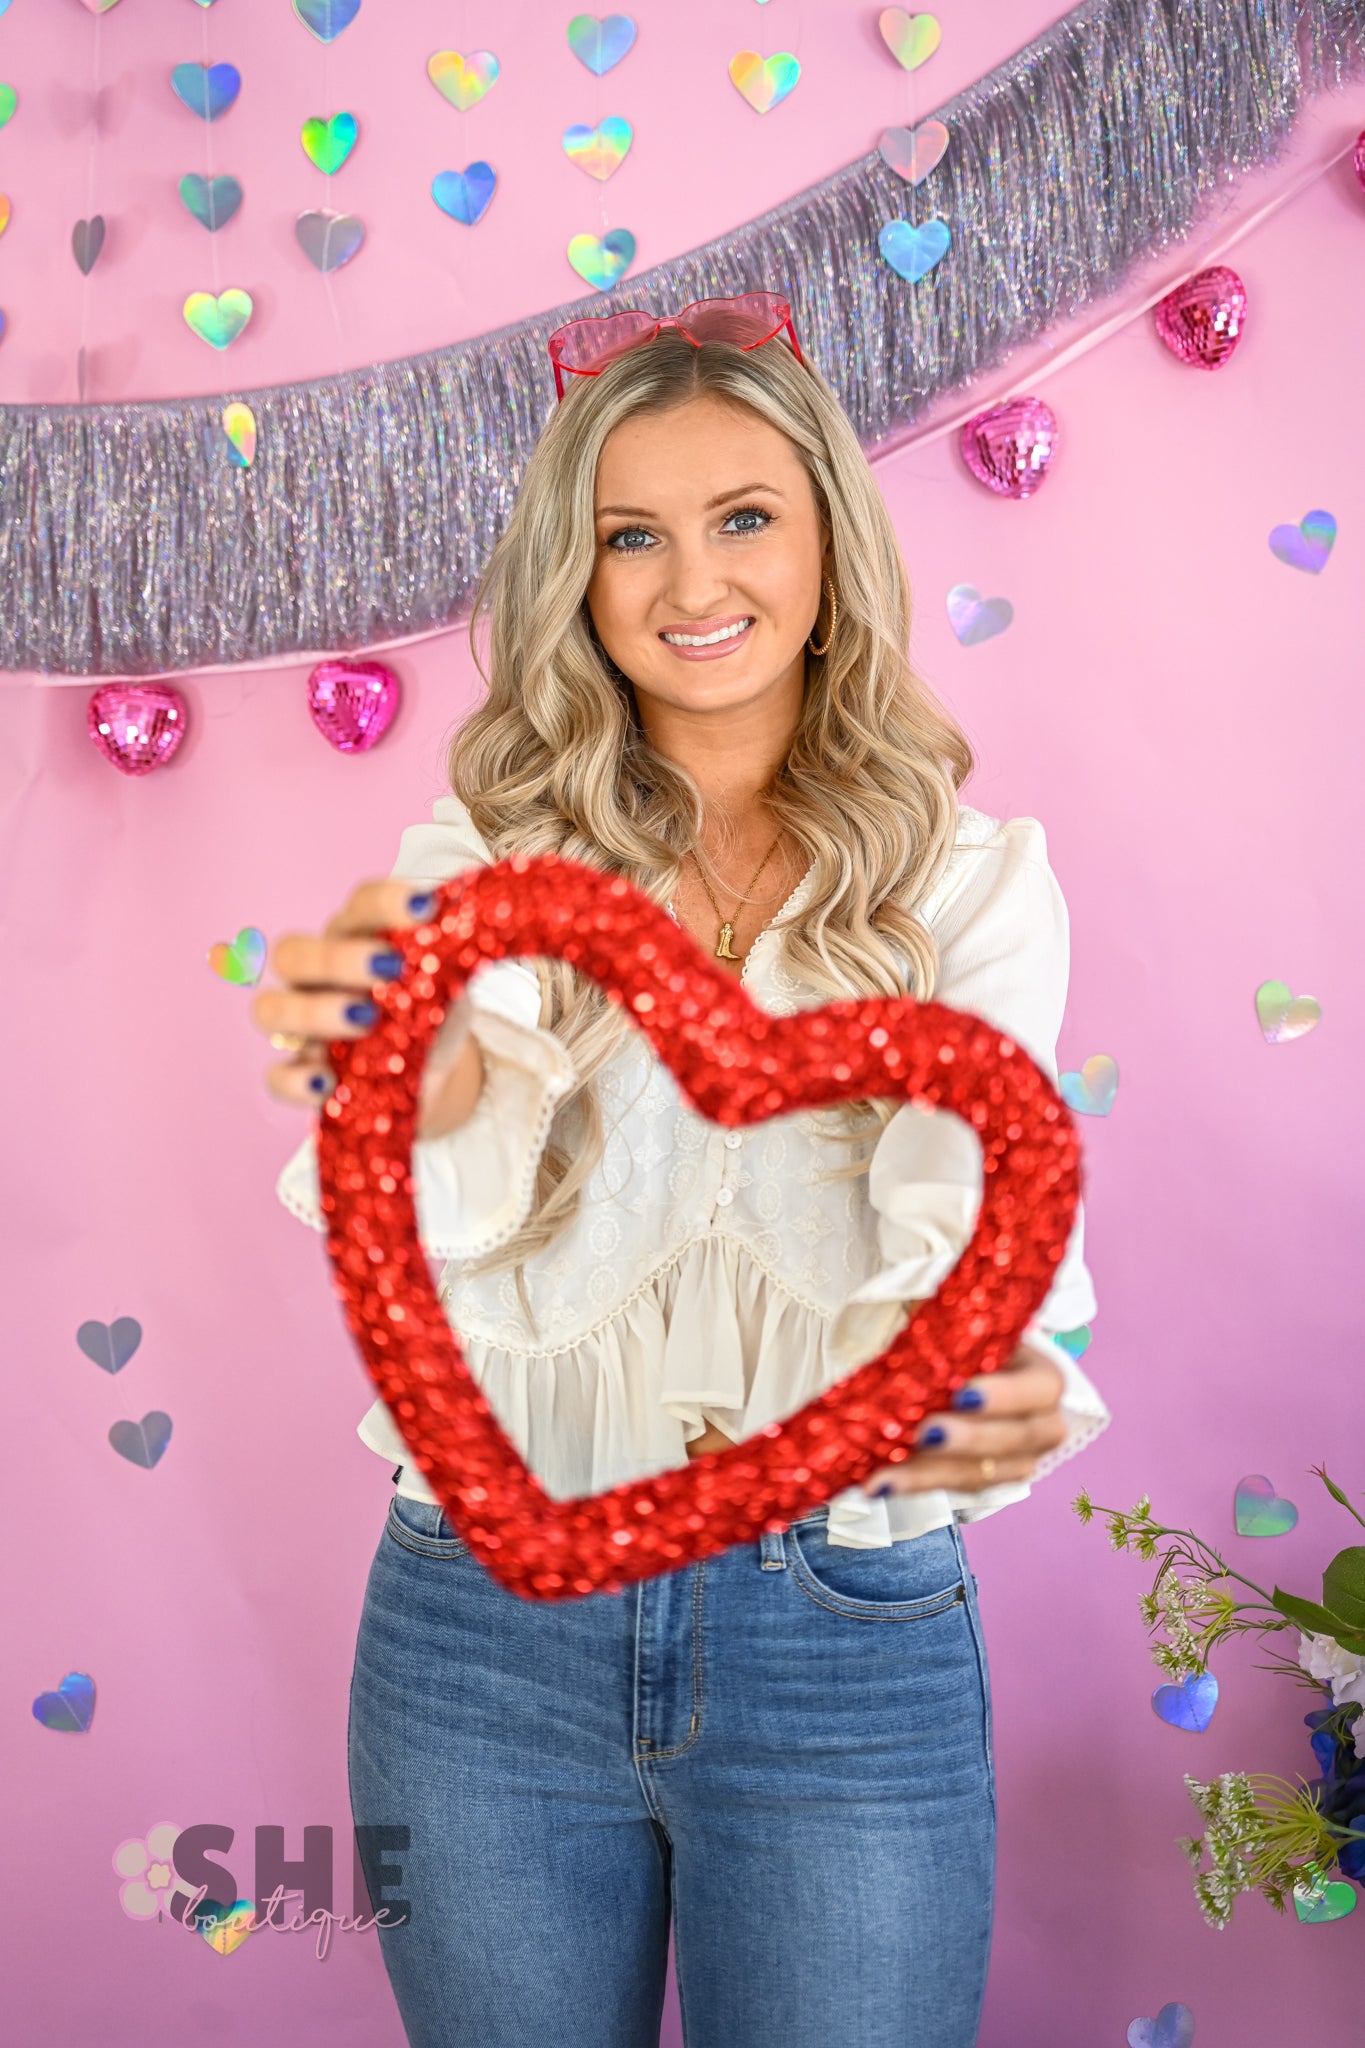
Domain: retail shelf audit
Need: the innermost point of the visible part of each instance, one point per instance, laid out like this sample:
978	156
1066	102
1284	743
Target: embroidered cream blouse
714	1276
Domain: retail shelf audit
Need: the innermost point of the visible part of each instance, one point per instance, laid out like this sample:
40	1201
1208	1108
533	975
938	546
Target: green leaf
1343	1585
1317	1620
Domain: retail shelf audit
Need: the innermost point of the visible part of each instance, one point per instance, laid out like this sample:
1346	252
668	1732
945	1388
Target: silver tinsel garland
132	546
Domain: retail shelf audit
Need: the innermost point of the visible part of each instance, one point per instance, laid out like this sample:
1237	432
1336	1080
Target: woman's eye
754	519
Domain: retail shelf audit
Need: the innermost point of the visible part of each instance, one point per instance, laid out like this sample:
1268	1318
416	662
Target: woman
698	679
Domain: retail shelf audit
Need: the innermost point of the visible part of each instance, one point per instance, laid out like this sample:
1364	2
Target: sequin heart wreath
737	1064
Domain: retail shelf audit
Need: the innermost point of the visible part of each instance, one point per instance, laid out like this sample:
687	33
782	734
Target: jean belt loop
772	1551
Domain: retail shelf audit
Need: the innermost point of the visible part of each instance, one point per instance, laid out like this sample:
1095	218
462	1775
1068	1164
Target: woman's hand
1017	1417
328	979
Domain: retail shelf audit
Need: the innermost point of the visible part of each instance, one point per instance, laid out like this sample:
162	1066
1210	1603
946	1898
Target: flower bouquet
1262	1833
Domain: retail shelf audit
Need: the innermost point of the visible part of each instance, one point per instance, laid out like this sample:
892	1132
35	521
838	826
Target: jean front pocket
424	1527
912	1580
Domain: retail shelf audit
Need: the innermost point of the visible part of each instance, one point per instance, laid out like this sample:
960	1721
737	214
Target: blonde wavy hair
556	760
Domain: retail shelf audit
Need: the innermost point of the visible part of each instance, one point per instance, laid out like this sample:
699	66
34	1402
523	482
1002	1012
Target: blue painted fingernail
969	1397
386	966
878	1492
317	1082
933	1435
421	904
361	1013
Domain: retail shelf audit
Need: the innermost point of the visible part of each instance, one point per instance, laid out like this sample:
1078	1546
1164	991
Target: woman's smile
704	645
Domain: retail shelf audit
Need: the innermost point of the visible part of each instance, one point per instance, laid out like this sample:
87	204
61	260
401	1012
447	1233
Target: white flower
1326	1661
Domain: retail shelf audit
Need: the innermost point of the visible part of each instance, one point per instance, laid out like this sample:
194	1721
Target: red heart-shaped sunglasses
585	347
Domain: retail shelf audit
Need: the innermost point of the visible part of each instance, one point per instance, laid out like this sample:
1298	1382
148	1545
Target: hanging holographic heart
87	239
327	144
601	150
5	211
136	726
218	321
1325	1900
1091	1092
240	960
1201	321
912	252
1307	545
69	1709
142	1443
1173	2027
1010	447
465	194
9	100
913	152
206	89
1257	1510
110	1345
601	44
1188	1705
1358	158
911	38
352	703
462	80
212	201
1075	1342
975	618
602	262
764	81
225	1927
99	6
328	239
239	425
1283	1015
326	18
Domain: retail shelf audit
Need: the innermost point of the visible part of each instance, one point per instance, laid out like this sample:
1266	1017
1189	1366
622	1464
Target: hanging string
91	187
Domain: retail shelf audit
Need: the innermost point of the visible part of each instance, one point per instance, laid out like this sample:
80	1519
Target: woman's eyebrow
643	511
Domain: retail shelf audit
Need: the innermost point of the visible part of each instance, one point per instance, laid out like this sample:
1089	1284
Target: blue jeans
785	1747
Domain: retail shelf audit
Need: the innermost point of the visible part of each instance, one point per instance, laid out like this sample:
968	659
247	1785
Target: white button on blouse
658	1313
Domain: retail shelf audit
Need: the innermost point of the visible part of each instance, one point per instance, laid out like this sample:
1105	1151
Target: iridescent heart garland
207	90
1115	99
600	46
88	235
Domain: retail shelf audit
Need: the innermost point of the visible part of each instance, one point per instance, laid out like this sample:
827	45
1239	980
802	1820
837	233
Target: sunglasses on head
583	348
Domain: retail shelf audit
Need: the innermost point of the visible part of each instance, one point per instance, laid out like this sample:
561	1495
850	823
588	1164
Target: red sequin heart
737	1064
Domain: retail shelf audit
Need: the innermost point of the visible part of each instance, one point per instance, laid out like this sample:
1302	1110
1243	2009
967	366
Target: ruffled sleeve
1001	926
474	1187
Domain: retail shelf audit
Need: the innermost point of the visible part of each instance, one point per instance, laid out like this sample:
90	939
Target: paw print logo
147	1871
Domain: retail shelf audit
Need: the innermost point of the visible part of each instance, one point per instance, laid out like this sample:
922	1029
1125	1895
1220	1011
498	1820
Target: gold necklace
727	929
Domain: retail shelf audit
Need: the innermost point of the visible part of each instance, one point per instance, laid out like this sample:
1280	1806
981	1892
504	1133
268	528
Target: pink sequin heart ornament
1201	321
136	726
1010	447
353	703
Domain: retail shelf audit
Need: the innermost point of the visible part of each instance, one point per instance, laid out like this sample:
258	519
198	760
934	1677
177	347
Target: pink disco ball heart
352	702
137	726
1009	447
1201	321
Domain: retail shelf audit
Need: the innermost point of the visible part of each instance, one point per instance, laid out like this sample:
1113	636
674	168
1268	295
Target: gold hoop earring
833	620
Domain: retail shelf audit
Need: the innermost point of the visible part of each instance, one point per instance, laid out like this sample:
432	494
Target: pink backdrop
1180	709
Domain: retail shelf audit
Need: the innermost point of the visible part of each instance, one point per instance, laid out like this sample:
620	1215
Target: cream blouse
713	1276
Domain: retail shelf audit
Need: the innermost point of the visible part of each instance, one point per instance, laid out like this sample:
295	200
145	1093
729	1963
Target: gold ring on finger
987	1470
288	1041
